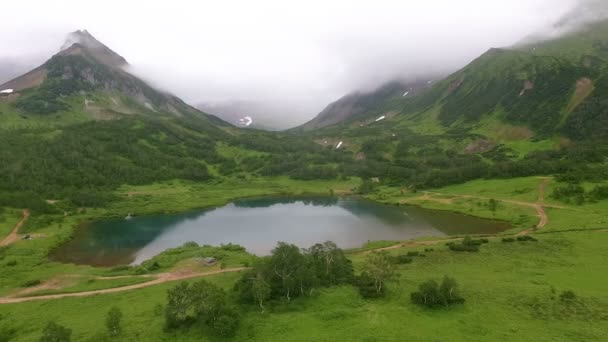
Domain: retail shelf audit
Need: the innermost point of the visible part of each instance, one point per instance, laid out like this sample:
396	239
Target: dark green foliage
569	193
85	162
508	240
54	332
492	205
366	187
401	259
367	286
599	192
377	270
589	121
155	266
30	283
290	272
413	253
7	334
113	321
467	245
567	296
526	238
432	295
203	303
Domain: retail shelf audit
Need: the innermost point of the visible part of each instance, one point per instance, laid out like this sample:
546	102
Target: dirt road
539	206
162	278
13	236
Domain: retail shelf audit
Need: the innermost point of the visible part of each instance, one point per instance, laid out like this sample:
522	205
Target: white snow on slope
6	91
246	121
380	118
339	144
407	92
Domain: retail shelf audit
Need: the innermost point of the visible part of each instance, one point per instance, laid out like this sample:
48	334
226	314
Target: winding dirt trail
161	278
539	206
13	236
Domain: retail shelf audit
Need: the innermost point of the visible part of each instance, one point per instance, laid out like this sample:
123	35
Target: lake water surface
258	224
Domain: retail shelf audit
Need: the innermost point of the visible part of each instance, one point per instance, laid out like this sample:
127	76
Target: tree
208	301
179	302
492	205
283	265
332	266
113	320
226	325
433	295
378	266
260	289
54	332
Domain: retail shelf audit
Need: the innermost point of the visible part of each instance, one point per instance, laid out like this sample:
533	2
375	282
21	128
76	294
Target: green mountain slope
85	81
551	88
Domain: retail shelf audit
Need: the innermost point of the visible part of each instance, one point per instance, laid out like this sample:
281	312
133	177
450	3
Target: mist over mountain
264	115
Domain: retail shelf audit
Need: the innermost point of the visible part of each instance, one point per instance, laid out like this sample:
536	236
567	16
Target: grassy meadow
511	289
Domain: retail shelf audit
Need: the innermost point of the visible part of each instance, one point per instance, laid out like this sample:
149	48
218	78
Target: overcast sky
300	55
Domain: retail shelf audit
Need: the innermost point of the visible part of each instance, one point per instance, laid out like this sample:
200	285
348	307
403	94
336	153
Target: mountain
86	80
372	103
542	89
79	125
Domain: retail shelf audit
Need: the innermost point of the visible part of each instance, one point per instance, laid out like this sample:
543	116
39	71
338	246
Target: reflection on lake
258	224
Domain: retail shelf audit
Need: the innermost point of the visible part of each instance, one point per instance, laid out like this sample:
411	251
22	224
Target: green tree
283	265
179	303
492	205
433	295
378	266
208	301
54	332
113	319
260	288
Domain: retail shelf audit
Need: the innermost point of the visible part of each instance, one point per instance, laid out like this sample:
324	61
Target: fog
296	56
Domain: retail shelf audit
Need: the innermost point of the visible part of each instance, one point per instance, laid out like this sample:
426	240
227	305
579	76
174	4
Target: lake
258	224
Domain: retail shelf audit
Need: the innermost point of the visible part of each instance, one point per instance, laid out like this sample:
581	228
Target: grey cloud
294	57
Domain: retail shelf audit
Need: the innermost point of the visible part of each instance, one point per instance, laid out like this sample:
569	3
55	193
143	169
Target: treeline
291	272
84	163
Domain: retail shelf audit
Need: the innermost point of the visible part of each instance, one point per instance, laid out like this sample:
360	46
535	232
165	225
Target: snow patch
339	144
380	118
405	94
6	91
247	121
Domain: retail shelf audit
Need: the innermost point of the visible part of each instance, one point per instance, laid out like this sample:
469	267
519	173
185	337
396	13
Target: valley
467	207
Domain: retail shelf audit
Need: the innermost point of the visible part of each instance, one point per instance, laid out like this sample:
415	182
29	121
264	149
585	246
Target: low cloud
295	57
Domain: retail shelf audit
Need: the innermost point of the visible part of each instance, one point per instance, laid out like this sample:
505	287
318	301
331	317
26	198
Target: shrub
463	248
412	253
32	282
190	244
154	267
113	319
567	296
12	263
401	259
54	332
526	238
430	294
367	286
508	240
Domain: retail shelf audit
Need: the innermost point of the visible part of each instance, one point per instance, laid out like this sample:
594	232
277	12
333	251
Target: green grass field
510	288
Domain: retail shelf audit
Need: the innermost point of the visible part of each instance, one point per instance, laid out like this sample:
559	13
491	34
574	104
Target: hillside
85	81
553	88
358	104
